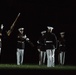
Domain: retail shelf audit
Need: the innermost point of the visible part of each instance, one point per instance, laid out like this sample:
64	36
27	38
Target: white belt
49	41
20	41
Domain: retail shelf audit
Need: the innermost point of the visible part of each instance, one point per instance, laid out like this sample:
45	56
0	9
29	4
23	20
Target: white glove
60	45
24	36
2	26
38	50
27	39
38	42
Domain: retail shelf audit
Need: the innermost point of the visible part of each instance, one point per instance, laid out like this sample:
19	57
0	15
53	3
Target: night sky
35	16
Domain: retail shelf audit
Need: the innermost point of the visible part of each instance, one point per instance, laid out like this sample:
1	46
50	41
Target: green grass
30	66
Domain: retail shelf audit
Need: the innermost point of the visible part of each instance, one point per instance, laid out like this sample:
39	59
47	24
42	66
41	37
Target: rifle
12	26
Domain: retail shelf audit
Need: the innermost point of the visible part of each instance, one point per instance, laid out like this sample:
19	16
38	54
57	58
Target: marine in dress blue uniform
21	46
41	49
62	48
50	45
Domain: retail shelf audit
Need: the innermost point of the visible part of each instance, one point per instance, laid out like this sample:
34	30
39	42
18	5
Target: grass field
30	66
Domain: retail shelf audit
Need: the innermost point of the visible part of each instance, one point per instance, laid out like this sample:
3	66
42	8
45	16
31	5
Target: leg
18	56
44	57
49	58
0	51
53	57
0	54
41	55
60	57
39	59
22	55
63	58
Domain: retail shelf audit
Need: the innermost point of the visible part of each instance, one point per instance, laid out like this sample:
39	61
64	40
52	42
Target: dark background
35	16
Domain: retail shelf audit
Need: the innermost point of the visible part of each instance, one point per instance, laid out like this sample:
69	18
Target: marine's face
49	30
21	31
62	35
42	34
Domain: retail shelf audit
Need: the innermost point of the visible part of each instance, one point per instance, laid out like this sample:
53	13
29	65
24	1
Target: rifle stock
11	28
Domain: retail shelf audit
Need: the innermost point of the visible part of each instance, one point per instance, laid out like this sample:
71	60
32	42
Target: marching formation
47	45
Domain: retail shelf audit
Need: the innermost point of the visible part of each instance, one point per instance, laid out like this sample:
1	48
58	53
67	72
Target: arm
55	41
1	29
38	47
28	40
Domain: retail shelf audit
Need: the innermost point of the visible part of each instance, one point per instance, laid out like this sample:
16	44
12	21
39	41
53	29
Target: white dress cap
50	27
62	33
21	29
43	32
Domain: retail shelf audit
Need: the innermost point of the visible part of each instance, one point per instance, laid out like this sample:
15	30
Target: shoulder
53	34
